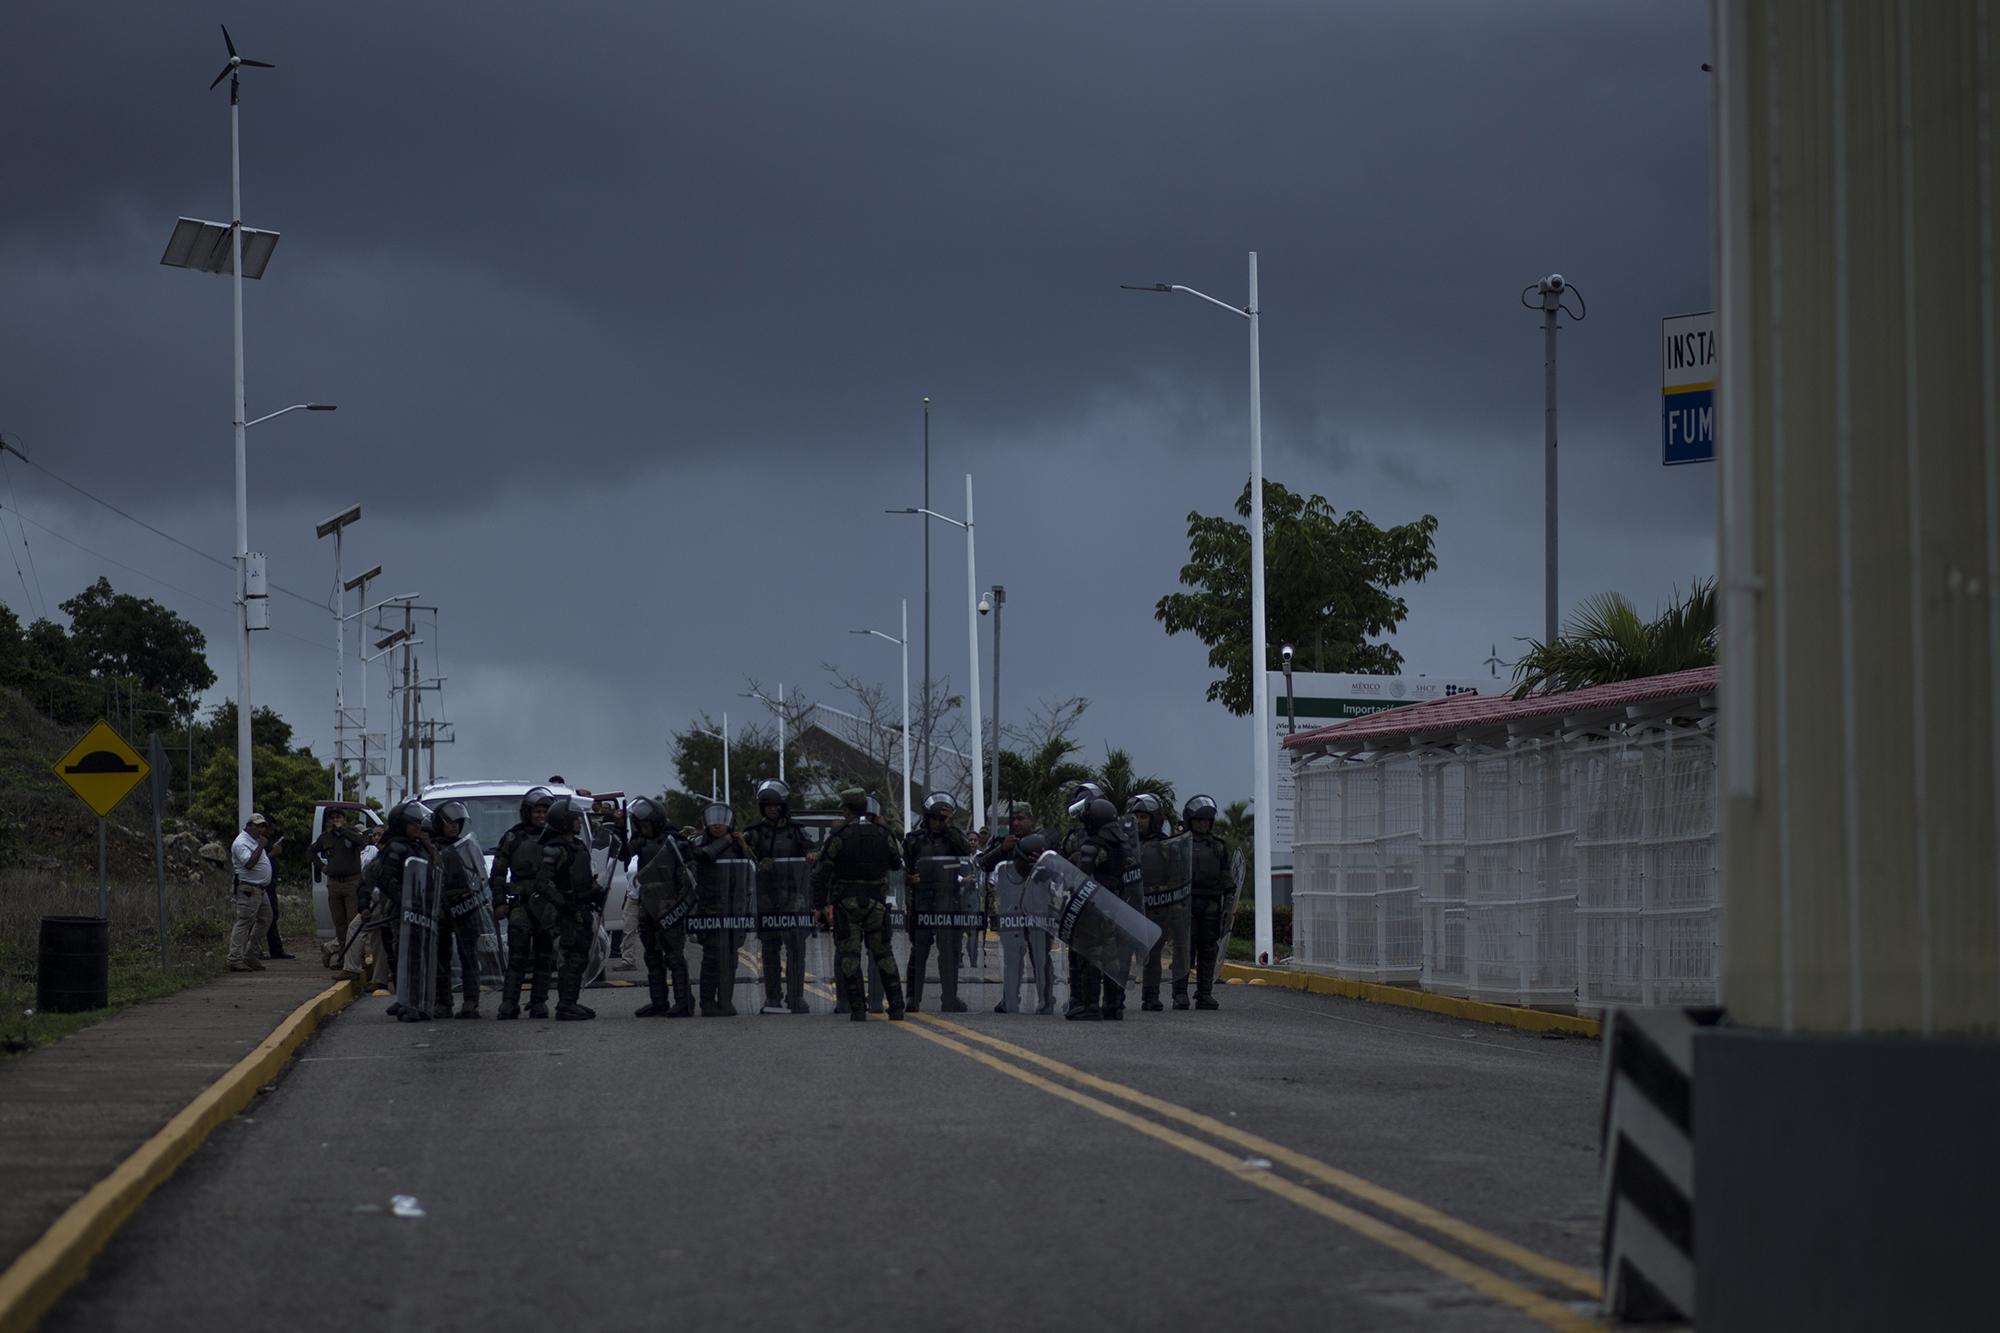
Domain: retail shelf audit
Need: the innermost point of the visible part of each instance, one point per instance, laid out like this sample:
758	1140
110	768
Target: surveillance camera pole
1550	293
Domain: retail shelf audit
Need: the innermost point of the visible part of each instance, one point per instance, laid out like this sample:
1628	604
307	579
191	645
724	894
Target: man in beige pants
250	857
337	854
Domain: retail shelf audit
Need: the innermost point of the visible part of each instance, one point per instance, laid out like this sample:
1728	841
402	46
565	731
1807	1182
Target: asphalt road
1291	1161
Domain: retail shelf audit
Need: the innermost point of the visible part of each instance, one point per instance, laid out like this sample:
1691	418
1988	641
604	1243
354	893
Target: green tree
1043	777
1606	640
1121	783
285	785
1328	588
268	730
117	635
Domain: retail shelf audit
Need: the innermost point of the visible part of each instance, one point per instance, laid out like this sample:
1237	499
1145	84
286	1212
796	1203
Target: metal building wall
1860	514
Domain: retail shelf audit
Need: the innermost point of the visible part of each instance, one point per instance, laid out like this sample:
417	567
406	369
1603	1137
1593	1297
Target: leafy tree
268	730
1042	778
1606	640
1121	783
1328	588
117	635
284	786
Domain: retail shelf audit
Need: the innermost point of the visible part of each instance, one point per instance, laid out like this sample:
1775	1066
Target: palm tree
1606	641
1121	784
1043	779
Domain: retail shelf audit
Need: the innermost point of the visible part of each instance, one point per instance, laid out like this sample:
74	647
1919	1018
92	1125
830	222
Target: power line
133	518
20	517
24	541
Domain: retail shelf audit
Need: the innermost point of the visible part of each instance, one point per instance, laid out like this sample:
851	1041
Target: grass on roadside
198	941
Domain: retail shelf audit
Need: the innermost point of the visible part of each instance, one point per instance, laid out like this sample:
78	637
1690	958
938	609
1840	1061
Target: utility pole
1550	294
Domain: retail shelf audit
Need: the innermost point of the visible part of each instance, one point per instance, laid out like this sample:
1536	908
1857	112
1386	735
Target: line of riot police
1125	894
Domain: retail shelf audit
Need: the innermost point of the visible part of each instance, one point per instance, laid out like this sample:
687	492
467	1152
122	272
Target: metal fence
1554	869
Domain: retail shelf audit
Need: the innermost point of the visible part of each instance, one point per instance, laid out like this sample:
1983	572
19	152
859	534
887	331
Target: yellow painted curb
1477	1011
54	1264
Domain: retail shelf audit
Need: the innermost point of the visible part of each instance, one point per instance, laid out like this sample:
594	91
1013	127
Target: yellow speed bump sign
102	769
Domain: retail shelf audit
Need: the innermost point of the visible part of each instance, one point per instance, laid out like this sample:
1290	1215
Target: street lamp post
971	638
722	736
200	245
777	706
1260	686
997	601
904	644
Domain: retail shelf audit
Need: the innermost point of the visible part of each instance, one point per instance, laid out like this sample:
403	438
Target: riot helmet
1098	814
874	810
1081	796
645	810
716	813
1030	849
1198	807
565	816
773	792
939	805
448	821
535	796
415	814
1147	804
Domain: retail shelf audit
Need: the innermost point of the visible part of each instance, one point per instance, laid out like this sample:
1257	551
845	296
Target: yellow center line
1466	1234
1544	1310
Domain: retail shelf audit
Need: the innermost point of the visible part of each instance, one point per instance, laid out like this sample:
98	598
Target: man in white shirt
250	856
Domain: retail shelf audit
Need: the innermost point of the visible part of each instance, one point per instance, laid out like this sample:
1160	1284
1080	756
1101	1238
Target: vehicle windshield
488	817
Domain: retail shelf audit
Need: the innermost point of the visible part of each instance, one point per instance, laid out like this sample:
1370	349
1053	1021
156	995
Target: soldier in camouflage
850	882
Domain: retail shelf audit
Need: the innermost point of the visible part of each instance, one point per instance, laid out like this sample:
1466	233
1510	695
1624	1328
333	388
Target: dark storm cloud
574	273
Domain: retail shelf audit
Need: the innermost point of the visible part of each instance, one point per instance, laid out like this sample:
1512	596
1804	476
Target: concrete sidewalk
71	1112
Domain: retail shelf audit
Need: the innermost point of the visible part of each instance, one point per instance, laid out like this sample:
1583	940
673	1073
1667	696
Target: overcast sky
629	310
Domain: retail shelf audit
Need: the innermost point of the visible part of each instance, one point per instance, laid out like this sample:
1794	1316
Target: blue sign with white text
1687	426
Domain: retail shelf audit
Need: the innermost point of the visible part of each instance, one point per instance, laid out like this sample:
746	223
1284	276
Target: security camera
1286	652
1553	283
985	605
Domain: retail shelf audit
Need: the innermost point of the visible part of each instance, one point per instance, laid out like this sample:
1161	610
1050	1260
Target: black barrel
74	971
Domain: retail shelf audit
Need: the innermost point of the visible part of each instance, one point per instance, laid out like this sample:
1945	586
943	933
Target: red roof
1482	712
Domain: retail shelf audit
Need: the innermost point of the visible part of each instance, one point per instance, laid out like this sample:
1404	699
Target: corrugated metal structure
1555	850
1859	442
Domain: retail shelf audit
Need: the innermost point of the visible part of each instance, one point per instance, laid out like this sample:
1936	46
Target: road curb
1477	1011
35	1281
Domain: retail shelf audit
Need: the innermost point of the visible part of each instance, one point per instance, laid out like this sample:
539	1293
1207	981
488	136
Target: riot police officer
567	883
931	853
774	838
404	835
516	862
1101	855
1163	861
1020	944
462	897
1218	878
1080	797
663	939
719	842
850	892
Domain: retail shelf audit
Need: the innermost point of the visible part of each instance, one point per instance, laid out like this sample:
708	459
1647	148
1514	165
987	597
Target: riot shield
1234	896
467	897
1021	914
784	895
1167	872
416	942
1094	921
666	886
946	896
725	897
785	932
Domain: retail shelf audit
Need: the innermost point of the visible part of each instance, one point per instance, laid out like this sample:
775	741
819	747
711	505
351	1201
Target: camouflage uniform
853	869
